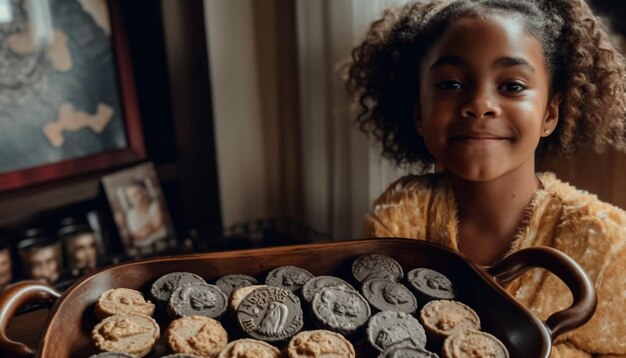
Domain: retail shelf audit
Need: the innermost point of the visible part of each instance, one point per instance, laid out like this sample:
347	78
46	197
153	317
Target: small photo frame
139	210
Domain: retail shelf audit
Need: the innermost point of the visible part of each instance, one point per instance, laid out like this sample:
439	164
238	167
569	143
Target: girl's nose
479	105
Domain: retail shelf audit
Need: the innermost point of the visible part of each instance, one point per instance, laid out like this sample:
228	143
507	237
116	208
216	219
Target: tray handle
566	269
13	298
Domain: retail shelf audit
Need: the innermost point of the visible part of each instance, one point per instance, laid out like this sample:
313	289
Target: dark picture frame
134	150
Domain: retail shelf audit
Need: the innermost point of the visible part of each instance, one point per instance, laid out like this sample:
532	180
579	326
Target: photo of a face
139	209
6	267
43	262
82	251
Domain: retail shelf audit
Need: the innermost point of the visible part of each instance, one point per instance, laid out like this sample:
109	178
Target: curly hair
585	69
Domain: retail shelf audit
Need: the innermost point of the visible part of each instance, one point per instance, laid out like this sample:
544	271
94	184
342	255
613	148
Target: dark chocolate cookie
316	284
163	287
341	310
431	285
386	329
270	314
228	283
372	266
288	277
199	299
388	295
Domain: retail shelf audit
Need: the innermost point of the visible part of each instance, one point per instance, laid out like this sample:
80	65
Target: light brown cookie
473	343
126	333
198	335
442	318
238	295
249	348
320	343
122	301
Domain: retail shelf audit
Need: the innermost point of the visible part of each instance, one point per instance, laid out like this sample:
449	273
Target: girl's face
484	98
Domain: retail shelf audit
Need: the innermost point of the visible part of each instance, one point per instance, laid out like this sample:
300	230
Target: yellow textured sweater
592	232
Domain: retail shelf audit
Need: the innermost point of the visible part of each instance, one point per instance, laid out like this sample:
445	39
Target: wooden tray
71	318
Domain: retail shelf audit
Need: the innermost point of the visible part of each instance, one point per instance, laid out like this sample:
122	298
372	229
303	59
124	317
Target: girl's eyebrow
506	62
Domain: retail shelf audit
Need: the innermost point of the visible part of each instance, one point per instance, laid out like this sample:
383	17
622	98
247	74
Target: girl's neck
490	213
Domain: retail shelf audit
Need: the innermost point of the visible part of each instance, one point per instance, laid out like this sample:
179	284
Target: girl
480	88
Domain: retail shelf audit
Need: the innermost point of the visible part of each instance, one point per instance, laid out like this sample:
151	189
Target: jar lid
72	226
35	242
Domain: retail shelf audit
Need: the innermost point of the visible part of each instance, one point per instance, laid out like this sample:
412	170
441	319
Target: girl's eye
512	87
450	85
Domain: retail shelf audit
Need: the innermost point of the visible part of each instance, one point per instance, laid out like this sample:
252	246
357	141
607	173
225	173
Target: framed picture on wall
139	210
69	106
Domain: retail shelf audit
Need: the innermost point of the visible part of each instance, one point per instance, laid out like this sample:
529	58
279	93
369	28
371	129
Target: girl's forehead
483	36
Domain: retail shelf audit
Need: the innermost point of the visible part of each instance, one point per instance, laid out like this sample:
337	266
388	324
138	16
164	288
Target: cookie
239	294
320	343
407	351
127	333
122	301
229	283
473	343
111	355
316	284
340	310
387	328
442	318
249	348
179	355
163	287
288	277
371	266
270	314
197	335
386	295
431	285
199	299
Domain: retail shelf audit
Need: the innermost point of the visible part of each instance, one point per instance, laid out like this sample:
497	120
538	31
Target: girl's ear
552	115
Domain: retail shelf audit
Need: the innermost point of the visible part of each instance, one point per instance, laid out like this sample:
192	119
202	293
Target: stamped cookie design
316	284
111	355
442	318
431	285
128	333
388	295
386	329
341	310
165	285
371	266
401	351
122	301
270	314
320	343
473	343
197	300
249	348
229	283
197	335
288	277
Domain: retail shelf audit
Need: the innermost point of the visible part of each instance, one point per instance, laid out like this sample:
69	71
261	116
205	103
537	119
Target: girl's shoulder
580	201
583	216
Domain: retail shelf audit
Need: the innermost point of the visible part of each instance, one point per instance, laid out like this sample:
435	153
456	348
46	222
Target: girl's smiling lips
477	136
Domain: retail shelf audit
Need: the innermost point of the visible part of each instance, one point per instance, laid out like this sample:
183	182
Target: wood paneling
603	174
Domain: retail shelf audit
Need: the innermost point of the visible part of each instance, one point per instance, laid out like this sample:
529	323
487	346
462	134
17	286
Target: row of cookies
334	303
451	326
